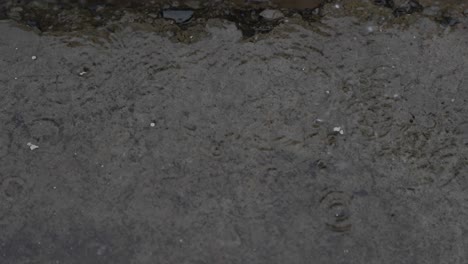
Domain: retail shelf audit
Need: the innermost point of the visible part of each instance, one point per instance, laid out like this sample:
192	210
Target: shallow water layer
184	134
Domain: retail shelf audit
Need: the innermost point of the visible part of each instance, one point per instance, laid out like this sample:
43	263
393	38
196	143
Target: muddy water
209	134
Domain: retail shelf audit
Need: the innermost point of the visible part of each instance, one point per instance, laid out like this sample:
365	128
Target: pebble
179	16
32	146
410	7
339	130
33	57
153	124
271	14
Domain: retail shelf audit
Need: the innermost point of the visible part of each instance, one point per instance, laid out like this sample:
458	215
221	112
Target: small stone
271	14
34	58
339	130
410	7
179	16
32	146
153	124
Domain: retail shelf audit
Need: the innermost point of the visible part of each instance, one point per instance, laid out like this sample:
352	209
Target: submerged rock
271	14
409	7
178	15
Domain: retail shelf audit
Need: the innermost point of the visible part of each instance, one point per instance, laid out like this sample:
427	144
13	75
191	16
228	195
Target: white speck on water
370	29
32	146
453	100
319	120
327	92
339	130
337	6
346	251
102	165
16	78
396	95
82	73
393	66
153	124
54	187
181	240
33	57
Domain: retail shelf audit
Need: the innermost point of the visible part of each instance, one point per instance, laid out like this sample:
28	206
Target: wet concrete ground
337	136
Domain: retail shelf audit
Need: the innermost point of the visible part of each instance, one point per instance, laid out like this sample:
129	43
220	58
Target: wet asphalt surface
288	136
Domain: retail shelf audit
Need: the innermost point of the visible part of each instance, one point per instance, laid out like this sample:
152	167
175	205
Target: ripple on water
335	206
